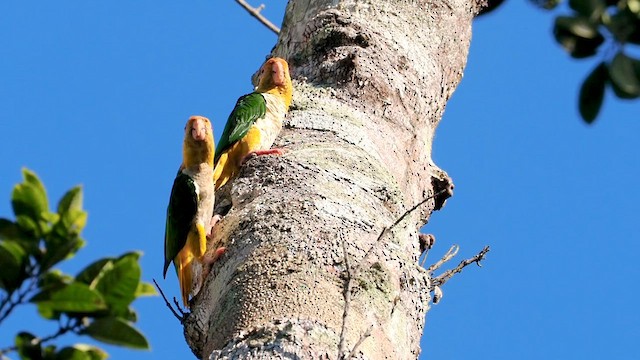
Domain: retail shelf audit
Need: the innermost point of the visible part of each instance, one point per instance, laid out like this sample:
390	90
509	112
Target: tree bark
371	81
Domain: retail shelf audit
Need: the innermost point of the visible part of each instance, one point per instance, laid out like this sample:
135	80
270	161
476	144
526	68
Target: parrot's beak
278	74
199	130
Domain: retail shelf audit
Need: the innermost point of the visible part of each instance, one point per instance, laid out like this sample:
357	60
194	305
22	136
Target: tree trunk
371	80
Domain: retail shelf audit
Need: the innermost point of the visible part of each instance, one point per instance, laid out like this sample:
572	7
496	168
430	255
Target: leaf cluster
96	302
604	28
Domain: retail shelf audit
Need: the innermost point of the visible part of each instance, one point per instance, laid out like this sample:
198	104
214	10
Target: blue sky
97	93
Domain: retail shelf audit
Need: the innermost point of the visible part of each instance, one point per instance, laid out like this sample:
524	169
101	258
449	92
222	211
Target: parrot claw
214	221
274	151
209	259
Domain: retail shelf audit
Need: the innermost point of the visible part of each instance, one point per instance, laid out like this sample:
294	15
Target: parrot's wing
248	109
181	211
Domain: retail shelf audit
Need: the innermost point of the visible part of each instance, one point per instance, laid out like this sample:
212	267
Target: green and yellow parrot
190	209
255	121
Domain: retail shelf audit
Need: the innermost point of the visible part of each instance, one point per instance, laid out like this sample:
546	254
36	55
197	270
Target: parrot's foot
274	151
212	223
209	259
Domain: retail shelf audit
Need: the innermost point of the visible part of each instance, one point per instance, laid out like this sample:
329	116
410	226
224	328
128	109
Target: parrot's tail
185	274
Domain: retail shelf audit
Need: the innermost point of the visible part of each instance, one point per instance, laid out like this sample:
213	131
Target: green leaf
27	347
577	35
95	353
93	270
592	93
128	314
29	198
29	226
591	9
145	289
72	353
118	285
625	76
72	200
13	259
135	255
58	249
117	332
74	298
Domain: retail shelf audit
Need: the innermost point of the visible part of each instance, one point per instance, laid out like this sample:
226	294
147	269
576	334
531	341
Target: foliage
96	302
604	29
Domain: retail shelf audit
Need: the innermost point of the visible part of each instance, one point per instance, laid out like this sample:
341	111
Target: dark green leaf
118	285
8	230
29	198
28	348
13	259
54	279
592	93
625	81
59	249
128	314
577	35
75	297
91	272
591	9
116	331
50	352
546	4
624	25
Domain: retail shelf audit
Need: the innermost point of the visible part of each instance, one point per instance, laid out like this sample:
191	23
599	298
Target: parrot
255	121
190	210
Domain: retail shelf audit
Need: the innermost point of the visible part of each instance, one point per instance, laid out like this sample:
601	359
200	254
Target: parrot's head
274	78
198	141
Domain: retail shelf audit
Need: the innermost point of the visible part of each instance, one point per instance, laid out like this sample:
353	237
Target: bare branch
453	251
443	278
181	317
255	12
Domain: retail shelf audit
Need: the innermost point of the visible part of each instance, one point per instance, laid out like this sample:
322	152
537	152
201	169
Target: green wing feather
181	211
248	109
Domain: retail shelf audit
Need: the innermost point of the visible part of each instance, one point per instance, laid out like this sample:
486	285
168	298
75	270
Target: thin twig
444	277
426	243
179	317
347	302
22	295
453	251
363	337
37	341
255	12
390	227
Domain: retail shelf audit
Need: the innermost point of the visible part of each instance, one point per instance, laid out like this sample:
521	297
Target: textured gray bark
372	79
